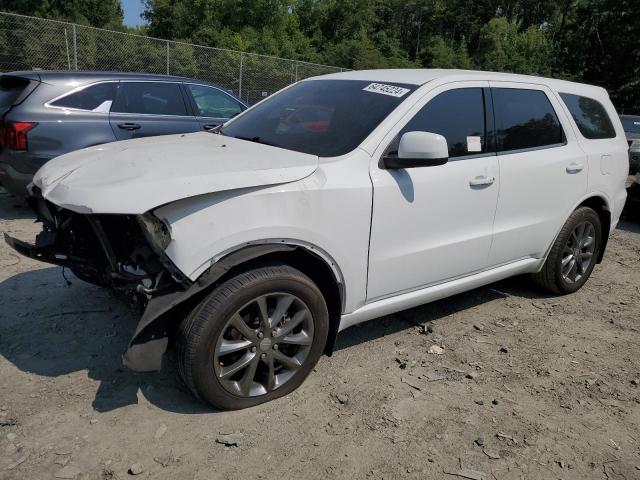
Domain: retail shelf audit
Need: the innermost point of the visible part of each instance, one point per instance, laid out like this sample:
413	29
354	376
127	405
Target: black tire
550	277
200	332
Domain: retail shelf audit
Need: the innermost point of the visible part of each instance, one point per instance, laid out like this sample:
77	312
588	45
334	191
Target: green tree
504	48
97	13
439	54
599	43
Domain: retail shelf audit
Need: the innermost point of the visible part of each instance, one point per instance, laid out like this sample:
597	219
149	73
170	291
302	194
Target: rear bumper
15	182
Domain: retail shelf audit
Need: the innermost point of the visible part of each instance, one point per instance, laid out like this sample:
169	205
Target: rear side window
151	98
525	119
10	90
590	116
95	97
212	102
457	115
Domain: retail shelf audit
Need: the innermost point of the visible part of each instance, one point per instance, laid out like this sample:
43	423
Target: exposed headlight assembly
156	231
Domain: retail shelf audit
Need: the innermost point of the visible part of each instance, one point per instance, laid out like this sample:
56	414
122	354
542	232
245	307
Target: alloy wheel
578	252
263	344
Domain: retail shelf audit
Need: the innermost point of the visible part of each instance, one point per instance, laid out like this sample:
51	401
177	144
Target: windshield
631	124
327	118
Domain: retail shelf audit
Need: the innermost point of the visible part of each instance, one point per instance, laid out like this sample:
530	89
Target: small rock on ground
68	472
230	439
136	469
343	398
162	429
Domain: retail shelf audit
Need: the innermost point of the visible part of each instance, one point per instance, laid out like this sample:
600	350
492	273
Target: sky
132	10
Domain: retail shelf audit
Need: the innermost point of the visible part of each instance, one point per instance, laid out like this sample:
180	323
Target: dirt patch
523	385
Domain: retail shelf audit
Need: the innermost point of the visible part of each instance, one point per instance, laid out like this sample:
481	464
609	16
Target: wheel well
602	209
322	275
301	259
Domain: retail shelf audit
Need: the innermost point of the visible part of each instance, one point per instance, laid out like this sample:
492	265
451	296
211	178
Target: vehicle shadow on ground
50	329
629	227
422	315
13	208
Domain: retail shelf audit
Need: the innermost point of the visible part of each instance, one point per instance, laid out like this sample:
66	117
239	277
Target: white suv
340	199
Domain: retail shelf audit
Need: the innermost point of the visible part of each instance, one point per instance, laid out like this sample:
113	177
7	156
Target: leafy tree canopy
594	41
97	13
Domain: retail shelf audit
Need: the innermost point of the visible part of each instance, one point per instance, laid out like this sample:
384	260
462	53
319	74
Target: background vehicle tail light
13	135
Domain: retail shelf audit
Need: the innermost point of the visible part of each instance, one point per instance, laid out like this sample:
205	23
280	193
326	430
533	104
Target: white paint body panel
537	194
429	224
329	209
394	246
137	175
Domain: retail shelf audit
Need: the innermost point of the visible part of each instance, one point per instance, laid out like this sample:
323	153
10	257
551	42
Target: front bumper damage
113	251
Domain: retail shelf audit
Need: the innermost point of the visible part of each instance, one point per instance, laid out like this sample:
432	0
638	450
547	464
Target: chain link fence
30	43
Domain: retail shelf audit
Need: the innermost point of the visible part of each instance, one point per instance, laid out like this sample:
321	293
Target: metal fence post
240	79
167	57
297	71
75	47
66	44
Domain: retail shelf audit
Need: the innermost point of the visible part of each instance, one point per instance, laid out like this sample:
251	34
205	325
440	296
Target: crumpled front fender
151	338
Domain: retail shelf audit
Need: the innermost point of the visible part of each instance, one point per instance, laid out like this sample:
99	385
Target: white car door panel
431	224
539	185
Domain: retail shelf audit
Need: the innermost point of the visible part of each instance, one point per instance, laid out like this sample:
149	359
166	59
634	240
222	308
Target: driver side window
211	102
456	114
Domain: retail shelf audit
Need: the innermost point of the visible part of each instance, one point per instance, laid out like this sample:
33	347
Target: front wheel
255	338
574	253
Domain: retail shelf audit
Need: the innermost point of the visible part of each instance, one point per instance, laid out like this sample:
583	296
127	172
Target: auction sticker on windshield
384	89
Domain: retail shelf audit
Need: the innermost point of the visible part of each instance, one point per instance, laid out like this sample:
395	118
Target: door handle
129	126
210	126
482	181
574	167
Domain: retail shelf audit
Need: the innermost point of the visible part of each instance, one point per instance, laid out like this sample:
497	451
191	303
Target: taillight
13	135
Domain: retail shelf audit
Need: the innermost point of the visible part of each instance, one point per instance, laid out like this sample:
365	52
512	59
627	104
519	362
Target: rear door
543	170
212	106
148	108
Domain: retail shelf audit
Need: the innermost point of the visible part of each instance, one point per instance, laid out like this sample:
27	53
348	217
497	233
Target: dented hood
135	176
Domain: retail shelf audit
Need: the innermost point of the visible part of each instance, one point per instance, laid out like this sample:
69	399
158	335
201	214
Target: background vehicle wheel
574	253
255	338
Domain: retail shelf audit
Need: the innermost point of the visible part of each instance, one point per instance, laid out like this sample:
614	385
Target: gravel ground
527	386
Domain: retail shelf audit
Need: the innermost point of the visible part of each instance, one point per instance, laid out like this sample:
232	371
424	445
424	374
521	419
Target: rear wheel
255	338
574	253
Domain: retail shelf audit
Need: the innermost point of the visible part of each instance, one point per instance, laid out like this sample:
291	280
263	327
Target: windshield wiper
255	140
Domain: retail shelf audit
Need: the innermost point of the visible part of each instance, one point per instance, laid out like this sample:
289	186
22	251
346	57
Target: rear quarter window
525	119
590	116
89	98
10	90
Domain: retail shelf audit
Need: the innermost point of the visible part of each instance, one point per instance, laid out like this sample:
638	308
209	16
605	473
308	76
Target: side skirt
412	299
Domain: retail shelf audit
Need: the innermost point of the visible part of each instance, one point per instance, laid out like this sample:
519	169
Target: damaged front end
122	252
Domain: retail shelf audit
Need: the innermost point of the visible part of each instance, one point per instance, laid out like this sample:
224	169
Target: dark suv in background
44	114
631	124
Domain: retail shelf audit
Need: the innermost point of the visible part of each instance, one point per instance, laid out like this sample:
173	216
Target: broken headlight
156	231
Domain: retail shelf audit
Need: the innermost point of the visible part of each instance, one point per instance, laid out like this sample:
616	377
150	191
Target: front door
432	224
145	109
212	106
